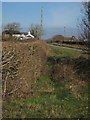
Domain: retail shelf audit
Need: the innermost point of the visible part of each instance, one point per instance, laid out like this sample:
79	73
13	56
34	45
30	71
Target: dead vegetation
73	72
22	63
49	83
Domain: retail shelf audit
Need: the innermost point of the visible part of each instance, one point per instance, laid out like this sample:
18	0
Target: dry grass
59	92
22	63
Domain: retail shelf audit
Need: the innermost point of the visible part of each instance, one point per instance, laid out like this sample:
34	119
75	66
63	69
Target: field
59	89
76	46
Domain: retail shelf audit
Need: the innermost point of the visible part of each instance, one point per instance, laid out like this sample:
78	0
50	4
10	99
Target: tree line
15	28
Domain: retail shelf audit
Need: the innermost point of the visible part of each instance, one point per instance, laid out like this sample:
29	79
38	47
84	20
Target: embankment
22	64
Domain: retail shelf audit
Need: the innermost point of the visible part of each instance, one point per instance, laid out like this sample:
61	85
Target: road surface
67	48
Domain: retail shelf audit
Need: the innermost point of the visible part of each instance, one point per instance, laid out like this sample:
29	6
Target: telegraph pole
41	26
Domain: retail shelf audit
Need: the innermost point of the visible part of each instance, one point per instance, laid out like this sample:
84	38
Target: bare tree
36	31
84	26
11	28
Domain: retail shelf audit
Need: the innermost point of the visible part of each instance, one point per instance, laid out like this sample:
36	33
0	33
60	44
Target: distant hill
58	38
61	38
49	32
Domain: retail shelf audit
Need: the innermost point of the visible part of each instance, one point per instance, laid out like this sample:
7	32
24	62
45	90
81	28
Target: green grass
81	47
62	52
51	98
59	103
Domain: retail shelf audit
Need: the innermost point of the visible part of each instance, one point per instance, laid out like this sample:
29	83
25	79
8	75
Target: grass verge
59	93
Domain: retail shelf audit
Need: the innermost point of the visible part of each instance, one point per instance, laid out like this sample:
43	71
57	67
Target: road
67	48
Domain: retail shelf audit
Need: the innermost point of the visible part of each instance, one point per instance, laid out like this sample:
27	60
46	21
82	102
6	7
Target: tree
36	31
12	28
84	26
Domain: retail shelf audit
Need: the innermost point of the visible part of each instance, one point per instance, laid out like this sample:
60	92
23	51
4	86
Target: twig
5	85
5	62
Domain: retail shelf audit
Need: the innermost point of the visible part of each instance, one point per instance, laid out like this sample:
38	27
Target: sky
56	15
41	0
